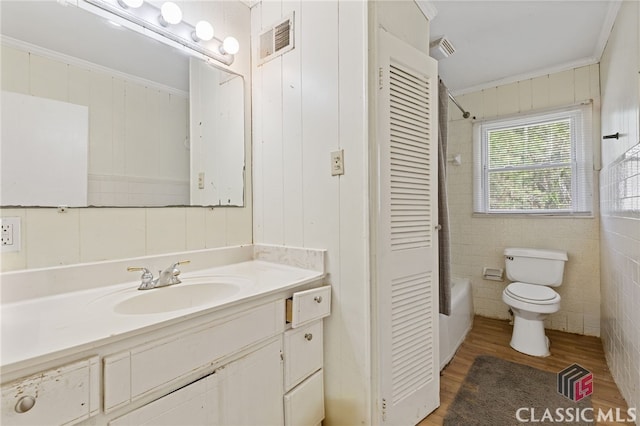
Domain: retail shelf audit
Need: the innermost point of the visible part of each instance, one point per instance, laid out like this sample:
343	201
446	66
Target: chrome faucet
168	276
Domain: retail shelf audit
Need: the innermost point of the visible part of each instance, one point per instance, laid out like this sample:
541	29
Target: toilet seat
530	293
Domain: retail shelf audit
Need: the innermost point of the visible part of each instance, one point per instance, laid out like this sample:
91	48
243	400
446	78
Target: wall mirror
149	140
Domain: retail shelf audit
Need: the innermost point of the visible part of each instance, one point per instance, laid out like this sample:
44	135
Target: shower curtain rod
465	114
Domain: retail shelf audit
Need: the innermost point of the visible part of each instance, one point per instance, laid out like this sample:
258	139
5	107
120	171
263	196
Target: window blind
538	163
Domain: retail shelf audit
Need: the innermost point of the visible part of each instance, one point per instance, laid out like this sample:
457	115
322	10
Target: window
534	164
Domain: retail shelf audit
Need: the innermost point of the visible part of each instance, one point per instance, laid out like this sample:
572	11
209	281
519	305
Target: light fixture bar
146	16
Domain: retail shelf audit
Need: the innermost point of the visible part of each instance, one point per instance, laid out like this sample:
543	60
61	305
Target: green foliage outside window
529	167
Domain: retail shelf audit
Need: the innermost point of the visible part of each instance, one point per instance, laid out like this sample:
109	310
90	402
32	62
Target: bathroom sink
175	297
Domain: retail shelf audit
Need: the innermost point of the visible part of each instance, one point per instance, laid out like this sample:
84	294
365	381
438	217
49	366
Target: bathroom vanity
239	341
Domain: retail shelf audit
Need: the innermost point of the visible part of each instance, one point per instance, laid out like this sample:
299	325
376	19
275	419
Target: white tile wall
128	191
83	235
620	233
480	241
620	206
136	130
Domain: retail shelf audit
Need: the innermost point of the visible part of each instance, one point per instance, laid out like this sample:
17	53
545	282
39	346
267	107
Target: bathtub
454	327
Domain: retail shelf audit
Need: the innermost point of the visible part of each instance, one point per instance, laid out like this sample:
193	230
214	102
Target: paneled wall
620	202
307	103
480	241
82	235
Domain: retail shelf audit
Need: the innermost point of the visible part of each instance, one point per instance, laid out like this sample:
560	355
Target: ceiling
495	42
498	42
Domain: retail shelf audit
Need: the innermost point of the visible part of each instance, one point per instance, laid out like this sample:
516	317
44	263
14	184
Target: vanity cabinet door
195	404
247	391
251	391
160	364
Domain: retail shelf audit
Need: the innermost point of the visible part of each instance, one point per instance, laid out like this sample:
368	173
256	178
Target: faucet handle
146	279
147	275
170	275
174	268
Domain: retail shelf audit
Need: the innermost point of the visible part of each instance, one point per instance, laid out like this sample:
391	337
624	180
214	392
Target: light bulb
134	4
230	45
170	14
204	31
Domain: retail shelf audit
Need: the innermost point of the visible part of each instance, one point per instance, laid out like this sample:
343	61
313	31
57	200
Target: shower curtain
444	254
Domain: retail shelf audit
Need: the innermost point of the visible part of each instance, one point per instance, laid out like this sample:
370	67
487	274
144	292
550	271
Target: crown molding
607	26
591	60
428	8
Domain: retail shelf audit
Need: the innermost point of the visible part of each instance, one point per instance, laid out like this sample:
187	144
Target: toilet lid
530	292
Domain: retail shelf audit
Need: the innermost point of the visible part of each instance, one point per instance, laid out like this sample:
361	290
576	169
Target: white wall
480	241
620	202
307	103
81	235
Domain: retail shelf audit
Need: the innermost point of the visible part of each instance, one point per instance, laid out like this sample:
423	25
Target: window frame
582	194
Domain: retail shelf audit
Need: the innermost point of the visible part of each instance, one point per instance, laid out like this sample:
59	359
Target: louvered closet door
406	270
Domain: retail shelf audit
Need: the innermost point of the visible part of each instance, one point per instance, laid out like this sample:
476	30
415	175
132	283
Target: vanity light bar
146	16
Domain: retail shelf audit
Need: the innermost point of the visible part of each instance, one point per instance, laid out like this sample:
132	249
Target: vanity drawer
302	353
304	405
59	396
307	306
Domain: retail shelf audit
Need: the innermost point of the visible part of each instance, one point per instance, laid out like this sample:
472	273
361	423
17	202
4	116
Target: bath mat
498	392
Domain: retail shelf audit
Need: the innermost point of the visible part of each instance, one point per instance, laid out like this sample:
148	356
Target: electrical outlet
10	234
337	162
7	235
201	180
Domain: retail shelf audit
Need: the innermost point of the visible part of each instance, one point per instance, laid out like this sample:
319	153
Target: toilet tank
535	266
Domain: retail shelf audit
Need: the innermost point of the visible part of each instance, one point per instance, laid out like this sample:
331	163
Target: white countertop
40	329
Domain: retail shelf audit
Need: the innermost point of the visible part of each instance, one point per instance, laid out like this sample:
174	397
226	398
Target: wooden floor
491	337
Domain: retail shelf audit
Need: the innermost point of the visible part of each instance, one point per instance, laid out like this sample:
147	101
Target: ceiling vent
276	40
441	48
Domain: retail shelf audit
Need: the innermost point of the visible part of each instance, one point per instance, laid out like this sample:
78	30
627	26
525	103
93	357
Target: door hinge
380	78
384	409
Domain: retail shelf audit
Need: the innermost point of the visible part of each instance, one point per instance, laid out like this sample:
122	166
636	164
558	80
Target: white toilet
532	272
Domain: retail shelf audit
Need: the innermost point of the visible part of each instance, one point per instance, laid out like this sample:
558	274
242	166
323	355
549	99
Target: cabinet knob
308	336
25	404
318	299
